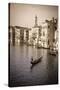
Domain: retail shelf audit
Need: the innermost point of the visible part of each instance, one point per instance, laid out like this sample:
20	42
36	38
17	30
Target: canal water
22	73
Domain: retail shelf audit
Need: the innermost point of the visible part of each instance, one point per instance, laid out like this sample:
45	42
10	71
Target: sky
24	14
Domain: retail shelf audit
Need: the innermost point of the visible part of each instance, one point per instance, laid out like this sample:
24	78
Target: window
43	33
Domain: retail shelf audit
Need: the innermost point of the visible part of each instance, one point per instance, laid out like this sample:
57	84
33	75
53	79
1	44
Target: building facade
41	36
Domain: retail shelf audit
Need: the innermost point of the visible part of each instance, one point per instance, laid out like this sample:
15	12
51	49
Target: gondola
33	62
52	52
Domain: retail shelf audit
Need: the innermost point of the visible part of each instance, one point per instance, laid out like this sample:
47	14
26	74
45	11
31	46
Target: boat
33	62
52	52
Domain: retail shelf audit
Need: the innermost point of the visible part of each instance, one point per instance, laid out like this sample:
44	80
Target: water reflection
23	73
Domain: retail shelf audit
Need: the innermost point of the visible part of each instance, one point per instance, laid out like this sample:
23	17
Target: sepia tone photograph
33	44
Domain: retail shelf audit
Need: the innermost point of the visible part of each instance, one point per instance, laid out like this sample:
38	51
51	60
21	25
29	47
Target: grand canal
23	73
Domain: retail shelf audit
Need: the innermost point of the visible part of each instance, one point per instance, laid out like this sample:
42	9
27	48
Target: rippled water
23	73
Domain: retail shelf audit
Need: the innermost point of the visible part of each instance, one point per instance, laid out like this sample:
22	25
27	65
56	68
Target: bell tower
36	21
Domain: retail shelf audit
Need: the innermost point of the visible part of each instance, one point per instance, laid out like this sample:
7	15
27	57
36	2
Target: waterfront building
34	34
41	36
44	35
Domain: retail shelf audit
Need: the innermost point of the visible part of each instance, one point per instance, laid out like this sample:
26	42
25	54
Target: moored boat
52	52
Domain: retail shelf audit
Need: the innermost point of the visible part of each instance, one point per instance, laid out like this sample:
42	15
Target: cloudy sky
24	14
